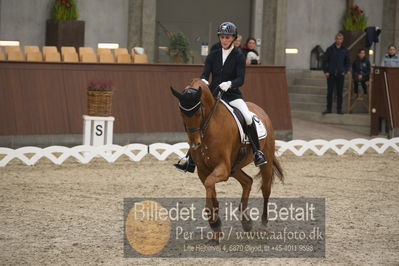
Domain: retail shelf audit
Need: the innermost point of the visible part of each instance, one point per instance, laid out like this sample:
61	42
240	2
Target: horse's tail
277	170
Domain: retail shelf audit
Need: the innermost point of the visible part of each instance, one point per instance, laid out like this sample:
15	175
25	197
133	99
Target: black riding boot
187	166
259	157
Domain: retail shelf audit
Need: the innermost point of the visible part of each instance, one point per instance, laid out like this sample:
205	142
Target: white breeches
242	106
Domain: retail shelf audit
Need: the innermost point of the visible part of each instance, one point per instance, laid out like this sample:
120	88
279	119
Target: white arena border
161	151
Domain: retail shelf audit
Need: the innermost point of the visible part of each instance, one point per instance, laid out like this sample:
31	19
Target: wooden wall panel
268	88
8	118
50	98
379	98
393	83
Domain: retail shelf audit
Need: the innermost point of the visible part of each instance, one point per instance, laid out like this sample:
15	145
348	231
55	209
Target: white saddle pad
260	128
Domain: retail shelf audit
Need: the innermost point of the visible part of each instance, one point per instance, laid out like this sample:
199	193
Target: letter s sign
99	130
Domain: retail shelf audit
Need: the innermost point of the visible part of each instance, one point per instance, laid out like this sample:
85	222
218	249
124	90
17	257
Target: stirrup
187	166
259	158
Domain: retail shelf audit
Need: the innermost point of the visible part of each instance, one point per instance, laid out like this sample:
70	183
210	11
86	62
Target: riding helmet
227	28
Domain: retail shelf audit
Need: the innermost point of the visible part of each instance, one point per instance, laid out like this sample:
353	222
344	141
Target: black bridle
204	122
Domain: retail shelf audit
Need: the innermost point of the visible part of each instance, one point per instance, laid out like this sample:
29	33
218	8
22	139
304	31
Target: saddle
240	121
240	118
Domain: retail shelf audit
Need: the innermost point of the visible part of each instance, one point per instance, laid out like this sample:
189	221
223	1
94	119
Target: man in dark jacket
336	65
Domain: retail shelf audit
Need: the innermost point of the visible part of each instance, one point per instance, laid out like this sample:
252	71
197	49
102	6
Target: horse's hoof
263	228
213	242
246	225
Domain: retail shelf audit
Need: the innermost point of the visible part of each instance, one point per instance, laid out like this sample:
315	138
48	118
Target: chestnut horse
215	148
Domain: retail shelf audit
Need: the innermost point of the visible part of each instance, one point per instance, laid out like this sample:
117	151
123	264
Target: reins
204	124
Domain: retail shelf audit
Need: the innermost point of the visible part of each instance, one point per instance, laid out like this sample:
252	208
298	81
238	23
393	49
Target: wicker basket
100	103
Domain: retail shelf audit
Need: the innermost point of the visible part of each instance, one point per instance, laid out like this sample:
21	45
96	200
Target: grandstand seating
88	58
70	54
123	58
29	48
52	57
34	56
15	55
106	58
71	57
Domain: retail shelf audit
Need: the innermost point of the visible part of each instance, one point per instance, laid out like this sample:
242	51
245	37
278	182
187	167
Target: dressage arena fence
161	151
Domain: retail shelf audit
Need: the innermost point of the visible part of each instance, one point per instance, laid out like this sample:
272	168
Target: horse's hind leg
246	183
266	172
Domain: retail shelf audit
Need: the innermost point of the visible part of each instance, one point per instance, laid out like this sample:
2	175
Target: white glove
224	86
205	81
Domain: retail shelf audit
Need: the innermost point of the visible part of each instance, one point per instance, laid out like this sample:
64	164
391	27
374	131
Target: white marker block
98	130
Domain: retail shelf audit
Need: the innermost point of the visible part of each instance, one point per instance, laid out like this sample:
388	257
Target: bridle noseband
195	129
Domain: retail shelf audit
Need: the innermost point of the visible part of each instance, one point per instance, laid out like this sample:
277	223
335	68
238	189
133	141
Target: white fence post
98	130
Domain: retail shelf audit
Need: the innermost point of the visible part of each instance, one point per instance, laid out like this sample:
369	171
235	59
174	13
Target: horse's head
192	112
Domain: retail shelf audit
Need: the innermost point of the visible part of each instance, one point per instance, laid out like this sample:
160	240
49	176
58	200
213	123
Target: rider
227	65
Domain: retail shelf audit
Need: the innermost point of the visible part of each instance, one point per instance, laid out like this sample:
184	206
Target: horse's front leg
212	206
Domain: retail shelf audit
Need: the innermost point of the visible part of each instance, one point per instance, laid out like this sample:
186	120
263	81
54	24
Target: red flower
68	5
101	85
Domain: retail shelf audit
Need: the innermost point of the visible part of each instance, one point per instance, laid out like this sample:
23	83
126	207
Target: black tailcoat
233	70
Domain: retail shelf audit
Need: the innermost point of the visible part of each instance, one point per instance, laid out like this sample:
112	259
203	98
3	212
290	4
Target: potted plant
355	19
354	23
179	48
100	97
63	29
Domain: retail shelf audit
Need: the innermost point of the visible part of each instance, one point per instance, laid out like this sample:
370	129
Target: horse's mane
196	83
206	96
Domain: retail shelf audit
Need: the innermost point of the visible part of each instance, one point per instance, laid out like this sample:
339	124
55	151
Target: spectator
250	53
336	64
360	71
237	42
391	59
